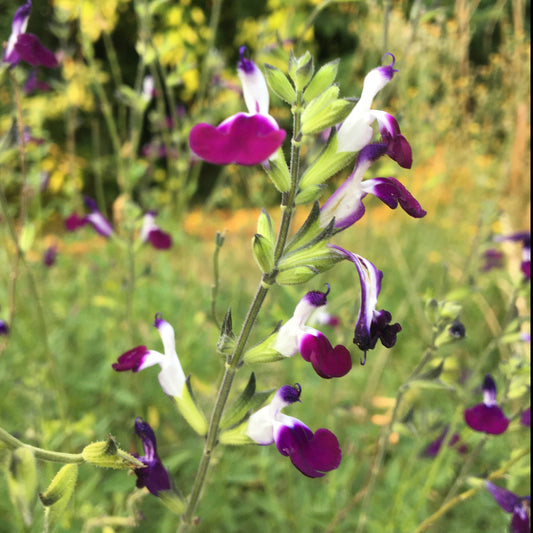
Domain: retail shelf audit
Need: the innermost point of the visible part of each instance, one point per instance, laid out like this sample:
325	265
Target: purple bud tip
489	385
290	394
393	59
90	203
158	320
244	63
317	298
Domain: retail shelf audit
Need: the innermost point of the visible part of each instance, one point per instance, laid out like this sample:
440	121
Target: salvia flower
312	454
171	378
152	233
294	336
49	255
520	507
356	130
492	258
525	418
487	416
371	325
26	46
346	203
97	220
154	476
4	328
245	138
434	447
525	238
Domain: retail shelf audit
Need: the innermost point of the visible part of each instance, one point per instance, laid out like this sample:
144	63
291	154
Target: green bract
280	84
321	80
189	409
278	171
263	250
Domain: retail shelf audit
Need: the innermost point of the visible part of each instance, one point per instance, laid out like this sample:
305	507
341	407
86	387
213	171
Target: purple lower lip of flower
327	361
154	476
510	502
486	419
525	419
159	239
29	48
313	454
131	360
74	221
243	139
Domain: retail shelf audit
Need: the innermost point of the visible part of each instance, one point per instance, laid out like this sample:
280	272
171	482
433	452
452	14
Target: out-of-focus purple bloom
520	507
171	378
33	84
4	328
312	454
154	476
26	46
434	447
324	317
492	259
525	238
152	233
346	203
245	138
313	345
49	255
356	131
100	224
525	419
487	416
371	325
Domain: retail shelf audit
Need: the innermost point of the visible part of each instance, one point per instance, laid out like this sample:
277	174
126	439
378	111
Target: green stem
45	455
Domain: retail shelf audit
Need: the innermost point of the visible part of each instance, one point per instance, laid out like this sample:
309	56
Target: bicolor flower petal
346	203
100	223
313	454
26	46
294	336
371	325
154	476
525	238
520	507
245	138
171	377
487	416
356	130
152	233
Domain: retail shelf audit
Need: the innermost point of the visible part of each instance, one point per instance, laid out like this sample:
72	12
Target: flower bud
279	83
265	226
432	310
263	251
304	71
278	171
321	80
452	333
327	117
107	454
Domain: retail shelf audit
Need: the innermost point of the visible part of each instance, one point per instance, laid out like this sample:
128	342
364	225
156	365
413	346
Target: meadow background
462	96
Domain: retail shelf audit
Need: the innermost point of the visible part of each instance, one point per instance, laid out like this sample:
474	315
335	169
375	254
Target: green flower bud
263	251
322	80
304	72
432	310
265	226
311	194
57	495
320	102
450	310
22	482
279	83
278	171
334	113
189	409
452	333
107	454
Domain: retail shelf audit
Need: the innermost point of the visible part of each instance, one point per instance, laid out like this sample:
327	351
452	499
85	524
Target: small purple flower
294	336
525	418
434	447
245	138
525	238
154	476
49	255
26	46
4	328
487	416
346	203
492	259
312	454
100	224
356	130
371	325
152	233
33	84
520	507
171	378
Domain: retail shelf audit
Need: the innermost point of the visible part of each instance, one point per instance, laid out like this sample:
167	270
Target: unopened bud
107	454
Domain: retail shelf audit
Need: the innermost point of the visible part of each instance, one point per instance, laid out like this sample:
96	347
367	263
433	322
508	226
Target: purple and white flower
154	476
434	447
520	507
171	377
97	220
346	203
245	138
26	46
312	454
525	238
152	233
356	130
294	336
371	325
487	416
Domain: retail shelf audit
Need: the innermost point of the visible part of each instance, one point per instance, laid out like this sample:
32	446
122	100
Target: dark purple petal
154	476
242	139
30	49
159	239
391	192
49	256
525	419
312	454
317	298
289	394
131	360
327	361
33	84
493	259
487	419
74	221
525	267
4	328
506	499
434	447
520	522
489	391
